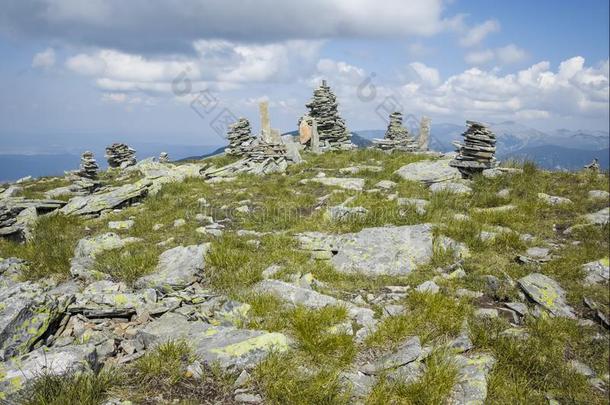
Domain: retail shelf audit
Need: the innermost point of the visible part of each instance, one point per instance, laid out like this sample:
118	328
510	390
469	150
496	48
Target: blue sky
74	73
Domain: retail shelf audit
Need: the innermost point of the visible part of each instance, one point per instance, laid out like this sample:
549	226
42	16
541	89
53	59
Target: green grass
51	248
129	263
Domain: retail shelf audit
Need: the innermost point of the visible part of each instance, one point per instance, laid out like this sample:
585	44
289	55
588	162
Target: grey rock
471	387
428	171
357	383
488	313
229	347
553	200
88	248
314	300
548	293
177	268
518	307
245	398
386	184
407	352
346	183
95	204
342	213
450	187
596	272
429	287
374	251
121	225
581	368
419	204
15	375
599	194
600	217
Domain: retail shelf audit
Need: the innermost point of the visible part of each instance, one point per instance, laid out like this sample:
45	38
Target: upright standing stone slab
305	131
424	134
263	108
315	137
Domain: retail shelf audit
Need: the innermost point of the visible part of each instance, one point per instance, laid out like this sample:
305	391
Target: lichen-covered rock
419	204
26	313
96	204
342	213
405	353
375	251
599	194
107	299
88	248
597	272
429	171
450	187
312	299
177	268
471	387
548	293
229	347
553	199
15	375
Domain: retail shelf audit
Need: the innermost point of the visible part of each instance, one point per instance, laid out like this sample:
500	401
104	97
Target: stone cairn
331	127
163	157
240	137
120	155
88	166
396	137
593	166
477	153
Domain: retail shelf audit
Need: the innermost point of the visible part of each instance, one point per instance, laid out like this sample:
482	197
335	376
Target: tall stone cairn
120	155
88	166
240	137
396	136
477	153
331	127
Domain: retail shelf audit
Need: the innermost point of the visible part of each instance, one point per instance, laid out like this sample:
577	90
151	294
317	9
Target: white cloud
505	55
223	64
477	34
427	75
44	59
510	54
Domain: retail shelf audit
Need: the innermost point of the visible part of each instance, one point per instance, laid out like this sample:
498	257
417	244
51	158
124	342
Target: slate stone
428	171
548	293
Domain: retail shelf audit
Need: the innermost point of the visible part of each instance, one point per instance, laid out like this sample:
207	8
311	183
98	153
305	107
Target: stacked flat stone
163	157
331	127
477	153
396	137
120	155
88	166
240	137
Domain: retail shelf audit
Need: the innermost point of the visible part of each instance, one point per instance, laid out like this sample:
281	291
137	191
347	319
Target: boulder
177	268
375	251
15	375
229	347
548	293
600	217
96	204
429	171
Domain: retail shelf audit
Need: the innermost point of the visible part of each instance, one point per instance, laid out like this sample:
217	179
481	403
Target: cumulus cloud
533	93
143	26
505	55
477	34
44	59
225	64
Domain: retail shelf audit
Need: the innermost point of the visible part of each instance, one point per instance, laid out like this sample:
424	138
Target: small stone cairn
593	166
396	137
331	127
240	137
120	155
163	157
477	153
88	166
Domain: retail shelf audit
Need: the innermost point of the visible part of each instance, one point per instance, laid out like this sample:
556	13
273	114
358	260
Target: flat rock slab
548	293
471	387
95	204
15	375
599	194
429	171
597	272
407	352
450	187
313	299
342	213
600	217
231	348
553	199
177	269
375	251
348	183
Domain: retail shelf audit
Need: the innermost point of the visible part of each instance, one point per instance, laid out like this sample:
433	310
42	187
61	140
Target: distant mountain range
560	150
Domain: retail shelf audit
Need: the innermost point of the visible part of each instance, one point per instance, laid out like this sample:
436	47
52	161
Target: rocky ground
355	277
